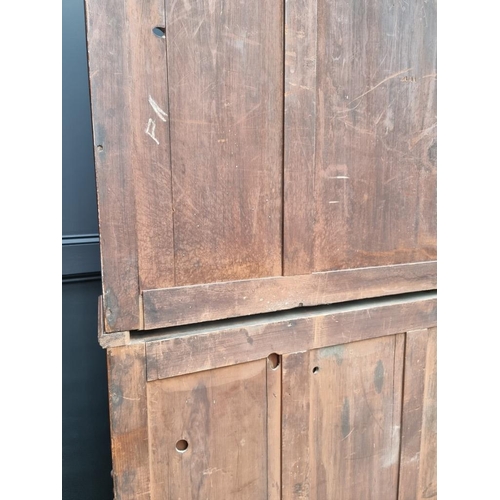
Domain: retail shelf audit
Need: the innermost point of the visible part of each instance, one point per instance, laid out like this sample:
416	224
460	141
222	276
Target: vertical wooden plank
128	81
274	427
300	135
360	134
418	447
225	63
148	83
208	434
129	422
341	421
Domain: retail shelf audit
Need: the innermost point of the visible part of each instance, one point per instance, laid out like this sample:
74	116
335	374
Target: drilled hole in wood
316	369
274	360
99	148
301	304
181	446
159	31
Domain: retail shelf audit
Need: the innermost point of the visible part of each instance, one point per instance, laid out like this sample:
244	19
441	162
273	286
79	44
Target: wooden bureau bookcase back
266	175
260	156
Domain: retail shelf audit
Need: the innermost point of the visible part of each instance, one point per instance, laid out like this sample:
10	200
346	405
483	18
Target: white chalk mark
150	130
161	114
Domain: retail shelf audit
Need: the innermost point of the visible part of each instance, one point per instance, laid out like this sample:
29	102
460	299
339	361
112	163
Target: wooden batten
198	303
181	353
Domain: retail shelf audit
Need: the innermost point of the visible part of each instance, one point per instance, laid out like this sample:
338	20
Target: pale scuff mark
331	202
211	470
340	177
161	114
150	130
382	82
131	399
391	455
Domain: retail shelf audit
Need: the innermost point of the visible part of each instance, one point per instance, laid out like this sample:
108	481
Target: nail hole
99	148
316	369
301	304
181	446
159	31
274	360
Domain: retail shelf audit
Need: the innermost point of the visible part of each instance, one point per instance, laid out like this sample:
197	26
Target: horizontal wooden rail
214	346
198	303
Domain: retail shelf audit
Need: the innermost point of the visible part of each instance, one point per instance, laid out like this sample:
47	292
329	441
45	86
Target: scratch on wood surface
211	470
352	430
244	117
161	114
380	83
422	134
150	130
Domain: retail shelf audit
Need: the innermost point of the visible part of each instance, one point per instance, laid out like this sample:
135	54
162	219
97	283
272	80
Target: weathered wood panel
418	470
128	82
208	434
274	427
225	63
129	422
360	134
212	347
341	421
192	304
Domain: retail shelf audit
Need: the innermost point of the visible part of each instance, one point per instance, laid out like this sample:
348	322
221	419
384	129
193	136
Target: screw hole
181	446
274	360
316	369
159	31
99	148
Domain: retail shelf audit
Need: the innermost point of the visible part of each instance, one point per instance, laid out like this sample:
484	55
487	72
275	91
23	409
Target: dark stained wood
192	304
341	421
204	177
360	134
210	347
106	340
127	68
300	135
129	422
225	63
418	475
221	414
274	427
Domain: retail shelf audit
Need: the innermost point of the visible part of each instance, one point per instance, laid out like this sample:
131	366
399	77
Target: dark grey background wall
86	453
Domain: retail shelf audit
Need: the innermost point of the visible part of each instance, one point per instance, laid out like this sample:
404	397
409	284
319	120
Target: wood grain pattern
212	347
418	474
221	414
192	304
225	63
360	134
341	421
300	115
274	427
128	81
129	422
